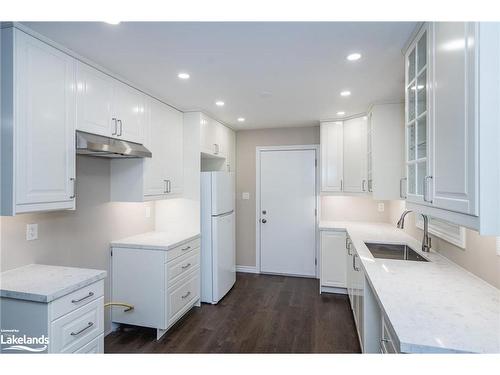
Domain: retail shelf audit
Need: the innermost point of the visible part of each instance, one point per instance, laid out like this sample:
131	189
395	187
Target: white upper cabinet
355	156
129	111
331	139
108	107
208	136
38	124
162	175
385	151
455	129
94	101
452	122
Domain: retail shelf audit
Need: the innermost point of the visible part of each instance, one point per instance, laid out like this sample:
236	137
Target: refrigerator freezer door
222	193
224	266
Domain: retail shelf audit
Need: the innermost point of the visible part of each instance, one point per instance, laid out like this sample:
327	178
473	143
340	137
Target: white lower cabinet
73	323
332	261
38	125
161	285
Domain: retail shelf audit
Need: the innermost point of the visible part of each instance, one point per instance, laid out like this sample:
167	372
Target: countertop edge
131	245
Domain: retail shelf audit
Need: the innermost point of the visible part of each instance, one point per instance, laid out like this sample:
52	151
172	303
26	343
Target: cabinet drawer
78	298
182	266
96	346
388	345
182	295
183	249
77	328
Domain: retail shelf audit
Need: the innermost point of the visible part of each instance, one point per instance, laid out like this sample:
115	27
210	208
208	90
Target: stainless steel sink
394	251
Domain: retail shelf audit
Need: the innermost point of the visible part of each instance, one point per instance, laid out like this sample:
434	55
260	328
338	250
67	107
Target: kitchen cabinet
385	151
109	107
38	125
332	261
331	139
163	284
354	158
450	80
162	175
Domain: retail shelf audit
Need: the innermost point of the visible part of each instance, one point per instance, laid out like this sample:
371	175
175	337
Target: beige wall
76	238
352	208
246	142
479	256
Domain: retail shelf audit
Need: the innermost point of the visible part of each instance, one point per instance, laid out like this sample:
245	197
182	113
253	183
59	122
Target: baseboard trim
332	289
247	269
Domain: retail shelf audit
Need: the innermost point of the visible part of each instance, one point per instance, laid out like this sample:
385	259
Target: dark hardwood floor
261	314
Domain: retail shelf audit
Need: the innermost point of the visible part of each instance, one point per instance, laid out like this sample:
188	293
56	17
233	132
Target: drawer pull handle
90	324
385	340
83	298
186	266
186	248
186	295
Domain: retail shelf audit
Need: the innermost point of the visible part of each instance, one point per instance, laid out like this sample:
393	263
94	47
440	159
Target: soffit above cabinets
272	74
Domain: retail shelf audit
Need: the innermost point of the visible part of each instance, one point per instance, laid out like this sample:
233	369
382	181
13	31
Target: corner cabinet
451	77
38	125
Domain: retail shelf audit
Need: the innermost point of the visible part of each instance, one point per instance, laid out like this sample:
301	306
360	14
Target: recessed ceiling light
113	22
183	75
354	56
241	119
219	103
345	93
340	113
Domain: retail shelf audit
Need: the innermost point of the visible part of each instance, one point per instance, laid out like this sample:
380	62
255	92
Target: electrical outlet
31	232
245	196
148	212
381	207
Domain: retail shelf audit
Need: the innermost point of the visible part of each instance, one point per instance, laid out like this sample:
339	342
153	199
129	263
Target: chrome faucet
426	240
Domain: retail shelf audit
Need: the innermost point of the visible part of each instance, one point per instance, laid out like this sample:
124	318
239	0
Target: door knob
264	221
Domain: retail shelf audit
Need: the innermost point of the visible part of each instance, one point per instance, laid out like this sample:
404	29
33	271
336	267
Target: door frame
258	150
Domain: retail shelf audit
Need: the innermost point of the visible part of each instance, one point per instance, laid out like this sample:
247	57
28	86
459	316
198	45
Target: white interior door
287	218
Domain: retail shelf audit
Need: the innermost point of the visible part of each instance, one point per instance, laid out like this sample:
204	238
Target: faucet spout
426	240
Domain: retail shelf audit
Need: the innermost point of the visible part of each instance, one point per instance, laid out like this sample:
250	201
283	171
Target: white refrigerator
218	258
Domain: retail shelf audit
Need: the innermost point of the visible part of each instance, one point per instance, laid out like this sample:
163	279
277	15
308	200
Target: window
452	233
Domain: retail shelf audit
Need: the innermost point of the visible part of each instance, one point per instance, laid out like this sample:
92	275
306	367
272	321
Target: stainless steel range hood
105	147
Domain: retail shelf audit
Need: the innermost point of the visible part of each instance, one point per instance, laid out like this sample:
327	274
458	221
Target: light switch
381	207
245	196
31	232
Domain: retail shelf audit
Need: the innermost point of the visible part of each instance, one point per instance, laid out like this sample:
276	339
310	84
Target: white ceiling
273	74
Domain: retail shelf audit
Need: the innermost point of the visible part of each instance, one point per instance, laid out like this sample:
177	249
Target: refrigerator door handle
224	214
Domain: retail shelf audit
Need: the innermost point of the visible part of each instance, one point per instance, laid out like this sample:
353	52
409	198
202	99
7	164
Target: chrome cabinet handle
354	263
186	248
116	126
90	324
426	179
383	339
363	183
186	295
169	186
401	195
121	128
370	185
216	149
165	189
83	298
347	242
341	185
186	266
73	196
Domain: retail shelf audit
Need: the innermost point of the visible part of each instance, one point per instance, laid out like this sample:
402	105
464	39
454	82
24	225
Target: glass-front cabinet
414	186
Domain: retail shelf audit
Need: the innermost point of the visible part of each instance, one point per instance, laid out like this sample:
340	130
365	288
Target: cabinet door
227	148
94	99
156	139
44	125
455	127
333	264
207	135
331	156
174	172
417	120
355	144
129	110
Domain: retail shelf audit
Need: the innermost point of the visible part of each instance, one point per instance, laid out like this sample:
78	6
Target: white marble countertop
158	240
433	306
44	283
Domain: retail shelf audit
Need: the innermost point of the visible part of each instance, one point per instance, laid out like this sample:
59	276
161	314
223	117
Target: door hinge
315	261
111	252
315	212
315	162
